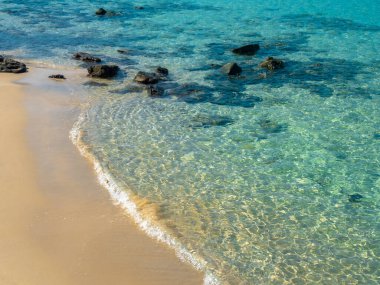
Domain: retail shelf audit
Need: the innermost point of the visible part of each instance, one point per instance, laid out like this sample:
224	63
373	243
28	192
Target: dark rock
231	68
101	12
57	76
376	136
11	66
146	78
247	50
155	91
162	71
355	198
103	71
123	51
272	63
86	57
139	8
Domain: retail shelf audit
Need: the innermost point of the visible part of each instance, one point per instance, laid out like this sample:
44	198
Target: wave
124	200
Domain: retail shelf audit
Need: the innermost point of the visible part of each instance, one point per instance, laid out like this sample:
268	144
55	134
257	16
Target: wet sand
57	224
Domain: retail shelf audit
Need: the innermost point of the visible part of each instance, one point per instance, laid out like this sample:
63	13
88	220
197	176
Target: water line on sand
122	199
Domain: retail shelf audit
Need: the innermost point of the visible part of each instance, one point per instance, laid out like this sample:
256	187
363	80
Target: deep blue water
250	175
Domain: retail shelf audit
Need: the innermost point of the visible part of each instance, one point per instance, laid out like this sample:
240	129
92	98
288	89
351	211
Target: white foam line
122	198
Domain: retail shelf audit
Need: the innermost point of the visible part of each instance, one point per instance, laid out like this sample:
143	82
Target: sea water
249	178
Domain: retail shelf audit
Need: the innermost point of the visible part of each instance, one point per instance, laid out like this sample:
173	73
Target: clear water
250	175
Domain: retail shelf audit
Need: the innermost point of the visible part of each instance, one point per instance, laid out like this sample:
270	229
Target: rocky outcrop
103	71
11	66
231	68
272	63
146	78
57	76
247	50
83	56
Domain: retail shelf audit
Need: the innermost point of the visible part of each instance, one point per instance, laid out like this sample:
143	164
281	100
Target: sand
57	224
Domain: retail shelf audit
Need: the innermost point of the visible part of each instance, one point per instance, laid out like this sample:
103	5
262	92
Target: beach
215	142
57	224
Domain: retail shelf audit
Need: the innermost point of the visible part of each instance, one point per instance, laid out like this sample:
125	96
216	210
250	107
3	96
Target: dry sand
57	224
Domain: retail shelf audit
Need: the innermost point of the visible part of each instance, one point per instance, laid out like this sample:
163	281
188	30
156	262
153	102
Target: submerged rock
139	8
146	78
103	71
101	12
155	91
247	50
272	63
208	121
131	88
231	68
271	127
57	76
186	89
162	71
11	66
123	51
355	198
86	57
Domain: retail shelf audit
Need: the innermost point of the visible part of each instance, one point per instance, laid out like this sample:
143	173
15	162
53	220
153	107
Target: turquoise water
250	176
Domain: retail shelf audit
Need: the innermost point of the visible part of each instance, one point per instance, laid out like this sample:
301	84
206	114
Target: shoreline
58	219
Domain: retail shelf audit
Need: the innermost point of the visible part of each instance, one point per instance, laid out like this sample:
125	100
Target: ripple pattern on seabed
253	174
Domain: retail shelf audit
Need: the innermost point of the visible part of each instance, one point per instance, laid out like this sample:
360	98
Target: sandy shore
57	224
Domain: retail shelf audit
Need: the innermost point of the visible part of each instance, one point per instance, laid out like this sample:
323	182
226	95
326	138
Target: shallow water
252	176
